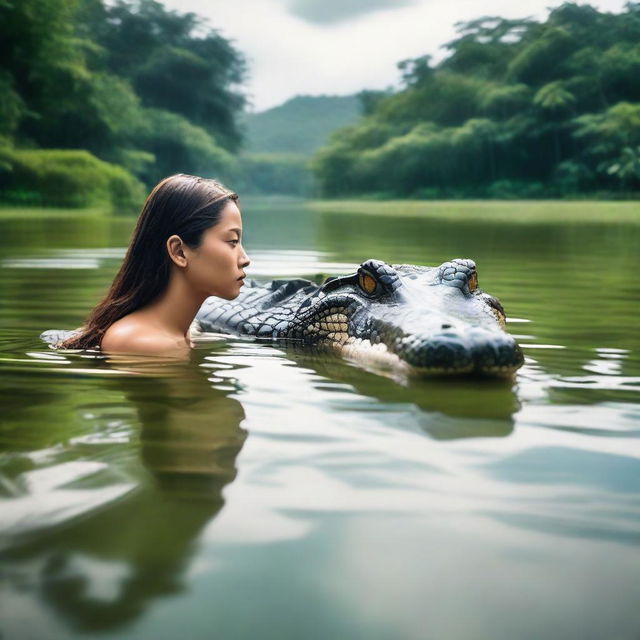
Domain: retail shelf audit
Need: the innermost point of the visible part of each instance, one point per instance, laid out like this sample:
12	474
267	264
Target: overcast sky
335	47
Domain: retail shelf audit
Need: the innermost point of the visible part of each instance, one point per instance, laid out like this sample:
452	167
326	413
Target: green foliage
131	82
554	97
274	173
176	142
369	100
515	190
608	131
447	99
518	108
117	107
65	178
571	177
611	142
44	63
469	53
11	105
175	62
627	166
334	165
620	70
531	64
502	101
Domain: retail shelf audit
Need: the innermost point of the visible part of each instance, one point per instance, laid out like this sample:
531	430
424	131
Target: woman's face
216	267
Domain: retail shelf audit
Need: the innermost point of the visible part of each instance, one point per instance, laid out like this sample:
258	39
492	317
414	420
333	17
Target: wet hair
181	204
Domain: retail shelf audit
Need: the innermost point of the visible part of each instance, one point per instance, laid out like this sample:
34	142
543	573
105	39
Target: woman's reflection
104	571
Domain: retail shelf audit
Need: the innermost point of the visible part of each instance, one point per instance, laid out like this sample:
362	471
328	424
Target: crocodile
424	320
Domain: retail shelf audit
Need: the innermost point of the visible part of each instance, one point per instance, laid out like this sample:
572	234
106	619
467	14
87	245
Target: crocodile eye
377	278
367	283
473	282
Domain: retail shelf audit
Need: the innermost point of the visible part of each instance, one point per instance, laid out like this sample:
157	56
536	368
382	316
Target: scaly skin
426	320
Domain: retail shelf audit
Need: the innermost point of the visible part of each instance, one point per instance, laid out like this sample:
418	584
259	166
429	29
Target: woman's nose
244	259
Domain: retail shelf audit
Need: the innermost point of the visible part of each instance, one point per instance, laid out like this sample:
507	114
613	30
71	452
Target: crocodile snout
452	352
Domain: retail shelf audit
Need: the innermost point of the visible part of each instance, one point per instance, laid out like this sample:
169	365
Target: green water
258	492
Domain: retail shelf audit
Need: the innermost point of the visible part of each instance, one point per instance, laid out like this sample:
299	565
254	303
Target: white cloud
289	55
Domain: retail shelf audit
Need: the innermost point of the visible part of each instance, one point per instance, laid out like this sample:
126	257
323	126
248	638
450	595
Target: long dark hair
181	204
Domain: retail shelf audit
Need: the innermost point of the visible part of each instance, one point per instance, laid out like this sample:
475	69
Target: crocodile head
432	320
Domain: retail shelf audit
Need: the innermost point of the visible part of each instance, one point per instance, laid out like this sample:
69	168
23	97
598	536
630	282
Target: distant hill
299	126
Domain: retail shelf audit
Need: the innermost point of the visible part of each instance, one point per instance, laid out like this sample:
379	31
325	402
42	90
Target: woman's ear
175	248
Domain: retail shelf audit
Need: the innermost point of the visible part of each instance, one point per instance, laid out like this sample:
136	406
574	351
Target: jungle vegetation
517	108
99	99
125	92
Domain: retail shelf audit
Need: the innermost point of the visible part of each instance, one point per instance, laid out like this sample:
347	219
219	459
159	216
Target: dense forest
517	108
97	99
101	98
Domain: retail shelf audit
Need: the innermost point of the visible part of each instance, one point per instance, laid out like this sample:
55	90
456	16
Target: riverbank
513	211
9	212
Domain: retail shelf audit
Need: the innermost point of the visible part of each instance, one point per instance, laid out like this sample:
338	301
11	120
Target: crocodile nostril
446	326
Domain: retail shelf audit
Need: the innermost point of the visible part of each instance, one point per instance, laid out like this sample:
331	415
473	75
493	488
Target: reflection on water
116	527
444	408
263	491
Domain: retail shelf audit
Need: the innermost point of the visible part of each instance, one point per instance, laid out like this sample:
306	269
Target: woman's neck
175	308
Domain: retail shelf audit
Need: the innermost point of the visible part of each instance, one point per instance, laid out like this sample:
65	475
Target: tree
626	167
533	64
132	82
174	61
608	132
555	101
485	45
517	107
554	97
45	75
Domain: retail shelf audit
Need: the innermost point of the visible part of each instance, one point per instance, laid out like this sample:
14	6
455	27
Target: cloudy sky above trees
337	47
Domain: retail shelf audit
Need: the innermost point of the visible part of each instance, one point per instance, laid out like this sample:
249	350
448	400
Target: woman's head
187	223
213	262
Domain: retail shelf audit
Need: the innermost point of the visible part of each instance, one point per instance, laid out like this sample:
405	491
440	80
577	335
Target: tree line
517	108
100	99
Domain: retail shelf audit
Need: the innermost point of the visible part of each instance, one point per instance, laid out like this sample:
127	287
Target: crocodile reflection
104	570
448	408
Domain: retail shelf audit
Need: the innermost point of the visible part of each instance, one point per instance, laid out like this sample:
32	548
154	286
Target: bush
178	146
428	193
67	178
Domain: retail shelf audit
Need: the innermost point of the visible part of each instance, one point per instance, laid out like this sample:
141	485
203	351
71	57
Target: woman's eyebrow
238	231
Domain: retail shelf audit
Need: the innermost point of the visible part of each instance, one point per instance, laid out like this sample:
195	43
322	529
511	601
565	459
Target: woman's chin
231	295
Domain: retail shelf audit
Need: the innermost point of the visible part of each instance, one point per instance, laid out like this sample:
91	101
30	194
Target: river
258	492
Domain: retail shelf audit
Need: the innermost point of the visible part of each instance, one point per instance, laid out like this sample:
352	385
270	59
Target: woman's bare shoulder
131	335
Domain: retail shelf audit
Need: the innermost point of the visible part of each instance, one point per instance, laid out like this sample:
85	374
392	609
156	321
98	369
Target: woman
187	245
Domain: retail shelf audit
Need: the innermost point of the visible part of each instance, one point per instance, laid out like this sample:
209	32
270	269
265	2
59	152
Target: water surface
259	491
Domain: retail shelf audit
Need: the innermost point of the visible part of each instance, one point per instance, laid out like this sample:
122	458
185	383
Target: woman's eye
233	242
